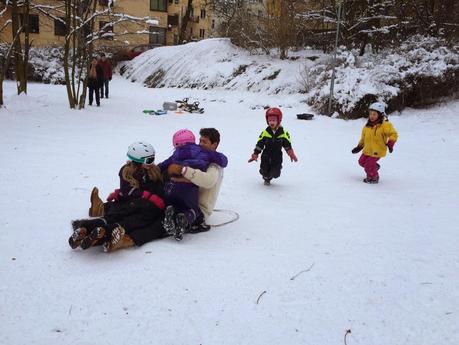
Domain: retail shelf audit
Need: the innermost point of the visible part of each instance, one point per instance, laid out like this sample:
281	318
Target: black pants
104	86
153	231
270	168
92	90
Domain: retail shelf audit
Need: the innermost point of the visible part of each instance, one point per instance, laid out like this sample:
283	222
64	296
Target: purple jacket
194	156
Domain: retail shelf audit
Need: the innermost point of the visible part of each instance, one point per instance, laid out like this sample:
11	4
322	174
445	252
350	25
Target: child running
183	196
378	135
270	142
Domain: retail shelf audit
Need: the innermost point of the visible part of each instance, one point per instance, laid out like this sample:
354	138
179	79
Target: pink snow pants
370	166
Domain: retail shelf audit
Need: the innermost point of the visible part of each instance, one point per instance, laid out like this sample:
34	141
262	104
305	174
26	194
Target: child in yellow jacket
378	135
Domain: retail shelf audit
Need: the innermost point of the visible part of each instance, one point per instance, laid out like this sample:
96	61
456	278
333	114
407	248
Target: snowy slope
380	260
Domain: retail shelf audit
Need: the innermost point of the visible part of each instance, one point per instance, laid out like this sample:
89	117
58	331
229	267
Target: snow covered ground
312	256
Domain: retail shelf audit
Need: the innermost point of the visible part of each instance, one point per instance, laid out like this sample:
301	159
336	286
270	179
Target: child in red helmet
270	142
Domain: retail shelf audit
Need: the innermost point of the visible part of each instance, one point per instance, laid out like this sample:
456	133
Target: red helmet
274	112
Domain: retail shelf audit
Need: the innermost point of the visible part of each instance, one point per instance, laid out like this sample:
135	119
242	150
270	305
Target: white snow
381	260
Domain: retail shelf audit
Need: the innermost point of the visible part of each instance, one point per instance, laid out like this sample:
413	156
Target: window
34	25
106	30
60	29
158	5
202	33
157	36
172	20
213	24
203	14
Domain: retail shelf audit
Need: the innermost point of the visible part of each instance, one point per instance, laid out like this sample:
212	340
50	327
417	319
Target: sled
305	116
154	112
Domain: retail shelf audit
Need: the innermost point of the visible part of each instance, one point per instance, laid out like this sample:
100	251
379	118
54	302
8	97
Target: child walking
181	195
270	144
139	201
378	135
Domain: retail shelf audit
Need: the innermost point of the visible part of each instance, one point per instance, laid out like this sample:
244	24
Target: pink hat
182	137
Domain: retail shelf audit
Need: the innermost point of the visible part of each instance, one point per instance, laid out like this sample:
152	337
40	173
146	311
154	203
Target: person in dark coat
95	80
270	142
107	71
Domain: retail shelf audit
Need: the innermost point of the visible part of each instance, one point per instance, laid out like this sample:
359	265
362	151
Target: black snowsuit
271	144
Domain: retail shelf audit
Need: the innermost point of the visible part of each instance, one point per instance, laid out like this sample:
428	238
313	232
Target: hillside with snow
313	256
423	70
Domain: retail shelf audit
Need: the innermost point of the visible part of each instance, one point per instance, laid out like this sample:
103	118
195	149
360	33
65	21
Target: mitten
157	201
254	157
390	145
357	149
114	196
174	169
146	194
292	155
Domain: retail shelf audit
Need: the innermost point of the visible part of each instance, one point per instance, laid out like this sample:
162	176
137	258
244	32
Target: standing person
378	135
107	70
270	142
208	181
95	78
183	196
140	202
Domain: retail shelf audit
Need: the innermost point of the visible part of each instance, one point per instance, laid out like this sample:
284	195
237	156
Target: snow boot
169	220
118	240
202	227
267	182
181	226
95	237
77	237
371	180
97	205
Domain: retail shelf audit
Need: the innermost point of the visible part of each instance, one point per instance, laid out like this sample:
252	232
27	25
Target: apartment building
46	31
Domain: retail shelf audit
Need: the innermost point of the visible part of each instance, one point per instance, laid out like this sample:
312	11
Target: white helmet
379	107
141	152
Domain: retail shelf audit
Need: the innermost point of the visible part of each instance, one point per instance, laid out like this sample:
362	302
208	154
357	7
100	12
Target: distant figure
95	80
107	69
378	135
270	142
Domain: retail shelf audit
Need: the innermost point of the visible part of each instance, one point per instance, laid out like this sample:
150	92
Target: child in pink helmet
182	197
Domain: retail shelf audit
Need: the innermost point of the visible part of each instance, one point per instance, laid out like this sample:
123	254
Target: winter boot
118	240
196	228
97	205
182	226
169	220
370	180
95	237
267	182
77	237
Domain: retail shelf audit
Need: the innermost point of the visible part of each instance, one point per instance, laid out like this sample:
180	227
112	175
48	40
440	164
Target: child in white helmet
378	135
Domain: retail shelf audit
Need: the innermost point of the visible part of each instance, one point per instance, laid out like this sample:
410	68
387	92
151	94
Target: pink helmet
182	137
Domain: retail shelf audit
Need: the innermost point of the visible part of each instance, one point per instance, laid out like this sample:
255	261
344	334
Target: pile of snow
421	71
215	63
422	67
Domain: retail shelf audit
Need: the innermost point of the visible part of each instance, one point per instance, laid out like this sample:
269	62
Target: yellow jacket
374	138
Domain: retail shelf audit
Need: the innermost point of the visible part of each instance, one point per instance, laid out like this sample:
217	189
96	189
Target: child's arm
392	136
218	158
360	145
259	147
287	144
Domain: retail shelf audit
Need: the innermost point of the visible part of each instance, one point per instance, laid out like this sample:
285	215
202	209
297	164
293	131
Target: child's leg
265	168
371	167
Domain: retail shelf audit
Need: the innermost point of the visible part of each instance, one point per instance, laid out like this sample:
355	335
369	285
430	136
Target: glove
390	145
174	170
114	196
292	155
254	157
357	149
154	199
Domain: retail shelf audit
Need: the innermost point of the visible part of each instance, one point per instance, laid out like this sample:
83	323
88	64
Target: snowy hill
216	63
314	255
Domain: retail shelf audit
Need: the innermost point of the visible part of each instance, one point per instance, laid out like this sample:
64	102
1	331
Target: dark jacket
128	191
106	69
271	144
194	156
96	83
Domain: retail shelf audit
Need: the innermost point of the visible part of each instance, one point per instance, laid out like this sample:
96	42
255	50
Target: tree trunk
185	21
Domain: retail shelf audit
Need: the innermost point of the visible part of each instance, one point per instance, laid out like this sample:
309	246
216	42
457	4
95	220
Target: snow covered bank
422	71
